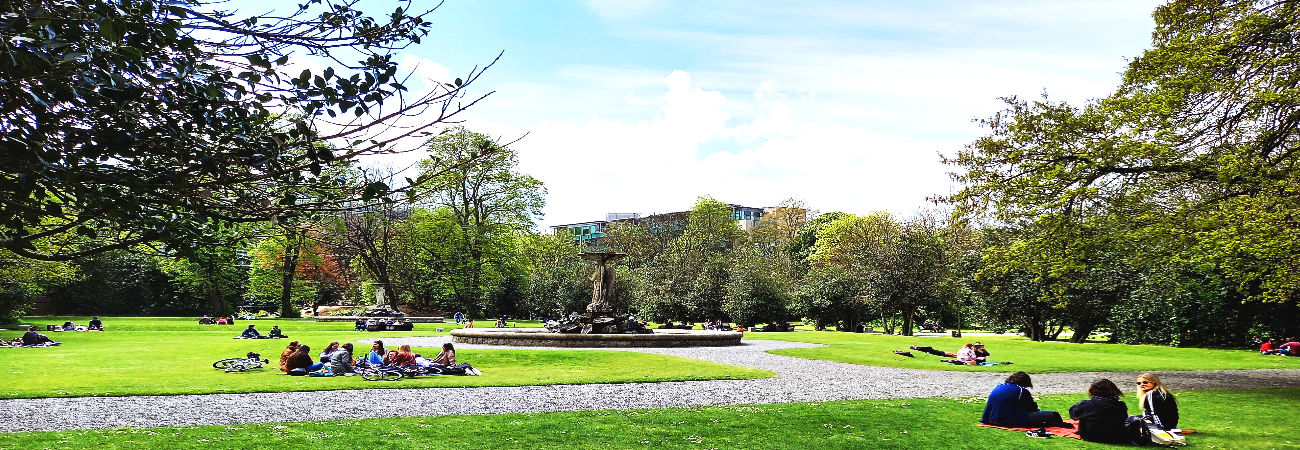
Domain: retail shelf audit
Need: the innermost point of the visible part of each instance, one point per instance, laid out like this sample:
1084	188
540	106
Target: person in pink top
967	354
1290	348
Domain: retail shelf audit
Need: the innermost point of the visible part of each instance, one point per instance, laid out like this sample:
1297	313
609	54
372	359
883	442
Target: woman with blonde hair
1156	401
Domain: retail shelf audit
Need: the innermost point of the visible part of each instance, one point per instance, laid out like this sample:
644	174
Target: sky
644	106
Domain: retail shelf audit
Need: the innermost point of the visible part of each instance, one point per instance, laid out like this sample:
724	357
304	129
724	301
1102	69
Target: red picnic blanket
1059	431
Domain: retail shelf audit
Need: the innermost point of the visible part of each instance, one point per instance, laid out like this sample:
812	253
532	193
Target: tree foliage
141	121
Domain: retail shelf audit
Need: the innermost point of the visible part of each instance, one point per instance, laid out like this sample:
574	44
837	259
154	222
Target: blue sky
645	105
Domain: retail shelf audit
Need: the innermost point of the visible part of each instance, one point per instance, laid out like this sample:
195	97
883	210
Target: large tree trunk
1081	332
292	243
218	307
909	315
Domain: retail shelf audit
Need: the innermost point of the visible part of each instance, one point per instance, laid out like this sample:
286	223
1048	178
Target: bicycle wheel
224	363
381	375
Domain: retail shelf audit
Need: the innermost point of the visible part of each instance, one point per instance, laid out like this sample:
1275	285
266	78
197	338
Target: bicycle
252	361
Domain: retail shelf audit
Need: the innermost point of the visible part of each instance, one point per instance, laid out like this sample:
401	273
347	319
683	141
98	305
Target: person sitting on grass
276	333
1268	347
95	324
341	360
251	333
301	359
447	356
1156	401
403	357
69	326
980	353
377	353
284	355
967	354
329	350
1101	418
1012	405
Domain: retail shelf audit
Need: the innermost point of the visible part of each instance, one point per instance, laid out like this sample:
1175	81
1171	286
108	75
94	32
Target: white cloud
663	163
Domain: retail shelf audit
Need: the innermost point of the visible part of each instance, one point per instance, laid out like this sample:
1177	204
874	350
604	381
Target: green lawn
1244	419
1029	356
141	356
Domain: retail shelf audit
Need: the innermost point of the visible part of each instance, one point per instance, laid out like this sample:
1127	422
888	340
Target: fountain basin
541	337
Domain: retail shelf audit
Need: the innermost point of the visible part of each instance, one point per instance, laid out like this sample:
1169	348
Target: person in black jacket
1101	418
1155	400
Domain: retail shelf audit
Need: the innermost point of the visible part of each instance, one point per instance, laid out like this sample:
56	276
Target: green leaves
112	30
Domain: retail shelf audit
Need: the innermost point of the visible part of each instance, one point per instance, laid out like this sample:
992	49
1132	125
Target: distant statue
601	290
600	317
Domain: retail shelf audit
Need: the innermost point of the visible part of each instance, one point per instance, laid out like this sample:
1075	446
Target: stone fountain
600	326
600	317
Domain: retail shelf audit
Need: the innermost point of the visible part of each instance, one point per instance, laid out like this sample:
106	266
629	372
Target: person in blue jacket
1012	405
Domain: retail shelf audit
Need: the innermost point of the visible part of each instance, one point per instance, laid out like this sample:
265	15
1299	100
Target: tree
757	291
22	279
120	282
775	232
216	273
558	279
139	121
804	243
489	201
1198	141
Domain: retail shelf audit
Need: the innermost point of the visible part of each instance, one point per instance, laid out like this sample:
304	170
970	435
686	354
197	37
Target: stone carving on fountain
600	317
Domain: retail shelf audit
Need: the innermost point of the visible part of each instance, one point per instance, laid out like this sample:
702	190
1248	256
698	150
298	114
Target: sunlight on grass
1029	356
140	356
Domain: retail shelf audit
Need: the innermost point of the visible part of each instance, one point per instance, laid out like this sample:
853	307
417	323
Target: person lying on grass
932	351
32	338
1012	405
1290	348
1101	418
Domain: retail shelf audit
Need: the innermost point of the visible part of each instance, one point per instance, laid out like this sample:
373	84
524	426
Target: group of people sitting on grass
94	325
1102	418
973	353
717	325
388	324
223	320
252	333
1271	347
336	359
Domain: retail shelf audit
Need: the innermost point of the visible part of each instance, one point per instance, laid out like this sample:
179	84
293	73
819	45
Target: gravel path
798	380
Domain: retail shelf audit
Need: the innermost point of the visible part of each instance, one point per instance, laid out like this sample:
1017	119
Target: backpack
1137	431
